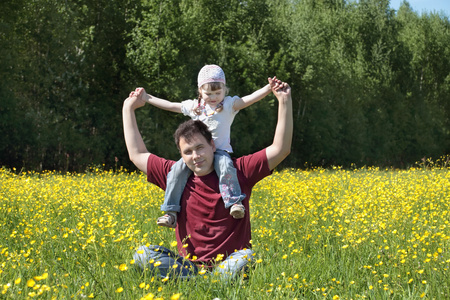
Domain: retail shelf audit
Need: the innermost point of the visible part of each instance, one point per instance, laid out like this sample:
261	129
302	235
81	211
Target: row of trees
371	85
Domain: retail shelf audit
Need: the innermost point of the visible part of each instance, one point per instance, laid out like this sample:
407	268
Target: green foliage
370	85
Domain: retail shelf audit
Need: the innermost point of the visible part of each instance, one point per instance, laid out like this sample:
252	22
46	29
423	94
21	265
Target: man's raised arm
282	141
135	144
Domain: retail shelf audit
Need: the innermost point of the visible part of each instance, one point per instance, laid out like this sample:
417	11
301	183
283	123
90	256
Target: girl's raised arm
140	93
257	95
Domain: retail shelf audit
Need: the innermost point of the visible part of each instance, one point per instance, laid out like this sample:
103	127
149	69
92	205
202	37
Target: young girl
217	111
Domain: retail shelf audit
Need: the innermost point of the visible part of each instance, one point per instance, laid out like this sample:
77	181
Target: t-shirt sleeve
157	170
186	107
254	167
229	103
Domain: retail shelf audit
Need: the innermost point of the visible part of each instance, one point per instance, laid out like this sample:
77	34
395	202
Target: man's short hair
190	128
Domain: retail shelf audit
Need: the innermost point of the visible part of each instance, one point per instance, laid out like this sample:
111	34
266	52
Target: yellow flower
119	290
18	280
43	276
123	267
148	297
175	296
219	257
142	285
30	283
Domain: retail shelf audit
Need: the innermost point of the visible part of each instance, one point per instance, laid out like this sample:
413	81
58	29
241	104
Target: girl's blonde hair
214	87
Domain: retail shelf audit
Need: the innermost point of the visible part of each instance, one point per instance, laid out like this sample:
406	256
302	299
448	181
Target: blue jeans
229	187
166	260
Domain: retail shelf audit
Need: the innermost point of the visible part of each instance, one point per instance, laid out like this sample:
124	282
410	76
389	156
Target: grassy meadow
318	234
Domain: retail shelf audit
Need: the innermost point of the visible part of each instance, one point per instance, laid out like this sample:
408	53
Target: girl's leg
176	181
234	263
228	181
146	257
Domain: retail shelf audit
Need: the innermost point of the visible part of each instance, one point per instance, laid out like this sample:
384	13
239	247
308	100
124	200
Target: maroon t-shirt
203	223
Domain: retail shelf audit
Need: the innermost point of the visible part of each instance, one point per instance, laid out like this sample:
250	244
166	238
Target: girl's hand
139	93
135	99
275	83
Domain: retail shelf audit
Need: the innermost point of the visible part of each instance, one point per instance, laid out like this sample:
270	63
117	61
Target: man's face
198	154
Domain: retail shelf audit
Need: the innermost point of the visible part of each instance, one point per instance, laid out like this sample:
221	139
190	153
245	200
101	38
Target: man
205	230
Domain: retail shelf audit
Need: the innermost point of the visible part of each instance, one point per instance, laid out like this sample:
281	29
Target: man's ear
213	145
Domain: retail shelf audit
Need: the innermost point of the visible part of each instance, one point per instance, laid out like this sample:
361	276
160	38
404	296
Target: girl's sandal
168	220
237	211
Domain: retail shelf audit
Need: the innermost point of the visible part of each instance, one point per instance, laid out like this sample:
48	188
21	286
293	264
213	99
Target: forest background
371	85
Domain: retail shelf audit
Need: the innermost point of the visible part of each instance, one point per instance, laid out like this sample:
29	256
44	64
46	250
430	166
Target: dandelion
123	267
119	290
18	280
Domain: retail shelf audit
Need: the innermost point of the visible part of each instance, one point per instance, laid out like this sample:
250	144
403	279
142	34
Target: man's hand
135	99
282	91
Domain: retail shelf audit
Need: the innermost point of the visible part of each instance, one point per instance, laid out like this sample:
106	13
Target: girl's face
210	96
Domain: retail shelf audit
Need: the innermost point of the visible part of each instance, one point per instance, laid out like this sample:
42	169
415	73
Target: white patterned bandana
210	73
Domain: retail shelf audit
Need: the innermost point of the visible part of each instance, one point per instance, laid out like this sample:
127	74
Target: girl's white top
219	123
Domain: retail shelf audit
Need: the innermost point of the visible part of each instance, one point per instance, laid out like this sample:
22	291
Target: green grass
317	234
